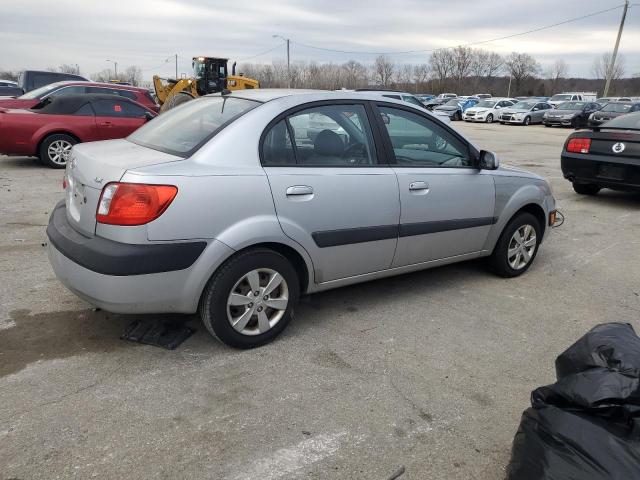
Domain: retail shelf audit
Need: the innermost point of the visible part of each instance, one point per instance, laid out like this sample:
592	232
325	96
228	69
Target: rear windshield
183	129
630	121
617	107
42	91
571	106
524	105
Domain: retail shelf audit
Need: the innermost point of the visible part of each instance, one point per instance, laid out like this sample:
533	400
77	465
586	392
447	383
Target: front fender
512	194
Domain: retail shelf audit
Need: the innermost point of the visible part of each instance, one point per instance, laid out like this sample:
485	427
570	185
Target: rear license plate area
612	172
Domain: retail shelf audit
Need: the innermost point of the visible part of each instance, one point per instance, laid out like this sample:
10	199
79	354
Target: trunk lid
93	165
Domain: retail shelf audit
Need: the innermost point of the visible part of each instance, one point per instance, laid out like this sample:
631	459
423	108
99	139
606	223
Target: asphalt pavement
429	371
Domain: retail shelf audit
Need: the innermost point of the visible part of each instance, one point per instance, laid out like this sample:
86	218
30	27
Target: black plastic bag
586	426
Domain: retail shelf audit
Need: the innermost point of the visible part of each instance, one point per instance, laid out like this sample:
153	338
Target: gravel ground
429	370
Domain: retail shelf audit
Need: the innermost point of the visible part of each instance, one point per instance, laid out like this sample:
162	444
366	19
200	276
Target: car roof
88	83
269	94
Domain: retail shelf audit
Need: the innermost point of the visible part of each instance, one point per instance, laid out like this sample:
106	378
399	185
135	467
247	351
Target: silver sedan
525	112
234	205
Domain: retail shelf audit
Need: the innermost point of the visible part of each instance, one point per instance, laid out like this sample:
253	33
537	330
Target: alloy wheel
258	301
522	246
59	151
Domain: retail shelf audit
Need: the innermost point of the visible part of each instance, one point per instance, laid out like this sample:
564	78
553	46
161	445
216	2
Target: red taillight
133	203
64	182
579	145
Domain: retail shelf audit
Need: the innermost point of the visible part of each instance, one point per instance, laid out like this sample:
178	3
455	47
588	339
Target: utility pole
115	68
612	63
288	66
176	66
288	59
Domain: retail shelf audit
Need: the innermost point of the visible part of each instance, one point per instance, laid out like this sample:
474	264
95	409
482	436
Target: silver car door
331	193
447	205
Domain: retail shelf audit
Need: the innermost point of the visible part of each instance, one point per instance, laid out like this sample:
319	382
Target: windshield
571	106
184	128
625	122
524	105
560	98
617	107
486	104
42	91
454	102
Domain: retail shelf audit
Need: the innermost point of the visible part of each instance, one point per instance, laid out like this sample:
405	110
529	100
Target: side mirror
149	116
536	109
488	160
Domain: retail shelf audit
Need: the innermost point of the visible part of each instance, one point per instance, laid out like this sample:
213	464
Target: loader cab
210	74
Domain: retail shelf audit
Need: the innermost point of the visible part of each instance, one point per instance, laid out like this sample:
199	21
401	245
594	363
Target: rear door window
323	136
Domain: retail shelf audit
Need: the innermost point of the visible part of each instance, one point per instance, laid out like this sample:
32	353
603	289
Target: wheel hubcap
257	301
521	247
59	151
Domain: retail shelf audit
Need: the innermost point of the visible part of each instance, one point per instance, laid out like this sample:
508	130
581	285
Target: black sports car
607	156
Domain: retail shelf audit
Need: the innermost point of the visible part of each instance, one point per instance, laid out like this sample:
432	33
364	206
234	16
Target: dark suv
32	79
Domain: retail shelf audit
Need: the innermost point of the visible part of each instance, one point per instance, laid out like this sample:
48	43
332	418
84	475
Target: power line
564	22
262	53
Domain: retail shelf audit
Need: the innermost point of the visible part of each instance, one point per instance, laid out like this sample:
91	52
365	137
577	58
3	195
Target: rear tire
490	118
457	116
586	188
511	258
227	295
178	99
55	150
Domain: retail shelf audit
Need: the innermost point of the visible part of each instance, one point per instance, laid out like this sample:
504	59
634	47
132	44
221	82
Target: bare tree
8	75
601	64
557	71
101	76
421	75
462	61
383	69
404	76
355	74
442	64
133	75
521	67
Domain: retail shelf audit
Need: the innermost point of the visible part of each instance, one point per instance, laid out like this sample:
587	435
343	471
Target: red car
58	89
51	128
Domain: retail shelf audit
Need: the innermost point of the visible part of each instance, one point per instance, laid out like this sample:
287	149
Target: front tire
490	118
517	246
586	188
55	150
527	121
251	298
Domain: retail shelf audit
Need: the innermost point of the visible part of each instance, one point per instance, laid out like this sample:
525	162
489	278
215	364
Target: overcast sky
41	33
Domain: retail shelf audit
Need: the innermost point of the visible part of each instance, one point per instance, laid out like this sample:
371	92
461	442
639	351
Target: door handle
106	124
299	190
418	186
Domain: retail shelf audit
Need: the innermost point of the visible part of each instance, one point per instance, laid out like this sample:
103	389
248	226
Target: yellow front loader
210	75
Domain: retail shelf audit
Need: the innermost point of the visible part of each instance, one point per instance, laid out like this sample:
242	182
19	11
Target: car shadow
613	198
21	162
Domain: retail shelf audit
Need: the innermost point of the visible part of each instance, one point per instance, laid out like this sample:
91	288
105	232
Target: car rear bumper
126	278
600	170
